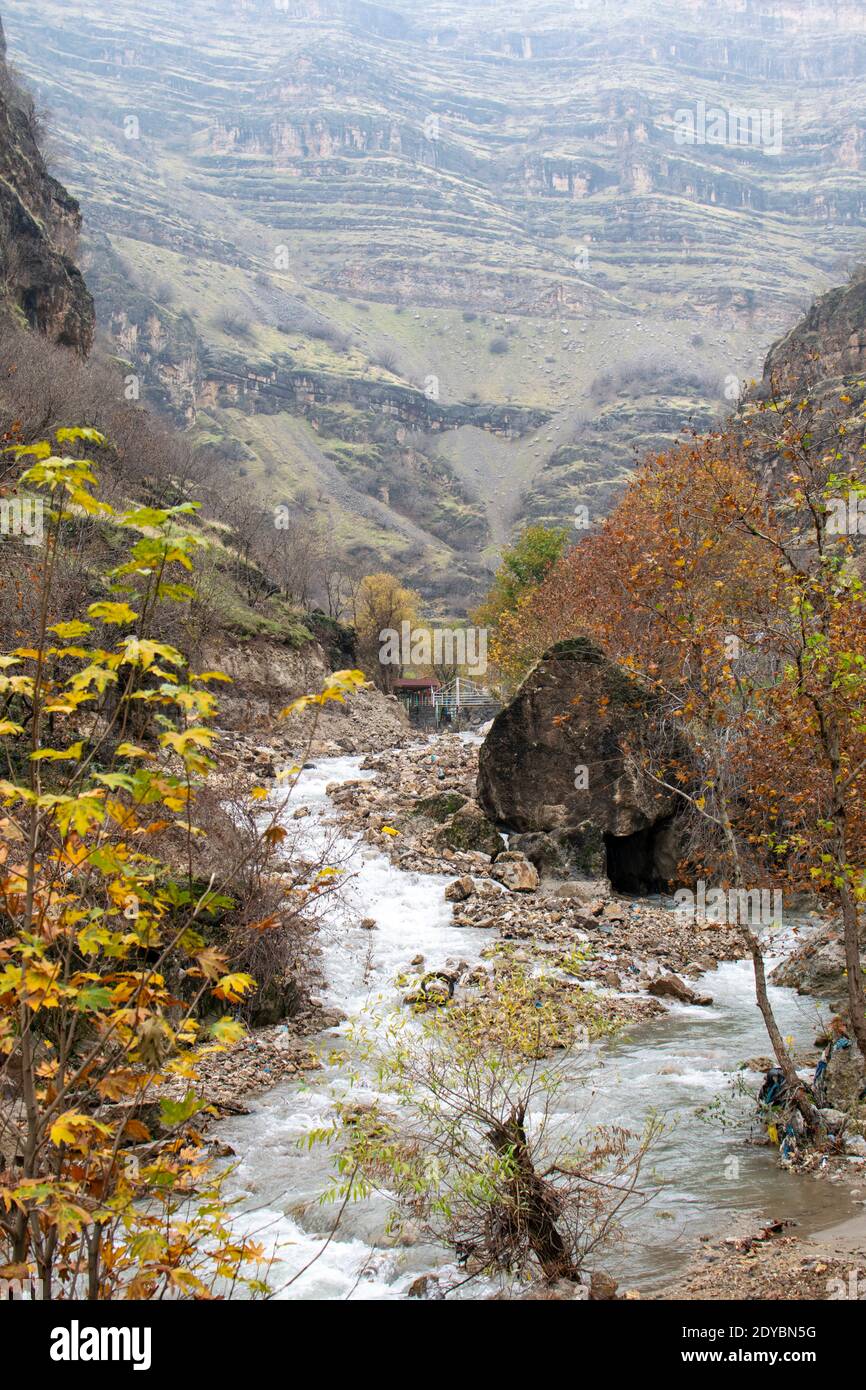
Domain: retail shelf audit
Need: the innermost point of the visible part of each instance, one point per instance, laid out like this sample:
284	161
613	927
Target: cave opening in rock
633	861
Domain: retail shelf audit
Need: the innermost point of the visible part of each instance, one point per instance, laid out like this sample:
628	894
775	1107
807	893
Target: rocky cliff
830	341
423	210
40	284
822	358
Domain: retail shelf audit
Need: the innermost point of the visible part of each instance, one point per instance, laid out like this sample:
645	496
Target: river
708	1176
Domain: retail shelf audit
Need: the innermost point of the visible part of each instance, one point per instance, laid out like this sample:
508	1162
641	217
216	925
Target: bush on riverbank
467	1142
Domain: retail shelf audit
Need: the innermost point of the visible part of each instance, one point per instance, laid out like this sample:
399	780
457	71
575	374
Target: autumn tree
524	566
106	1189
814	825
382	605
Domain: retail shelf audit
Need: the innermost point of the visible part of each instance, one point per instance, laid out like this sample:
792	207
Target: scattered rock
460	889
585	890
514	870
425	1286
436	988
602	1287
759	1064
672	987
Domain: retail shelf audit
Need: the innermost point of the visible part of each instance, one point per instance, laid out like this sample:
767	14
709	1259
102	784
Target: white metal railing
462	693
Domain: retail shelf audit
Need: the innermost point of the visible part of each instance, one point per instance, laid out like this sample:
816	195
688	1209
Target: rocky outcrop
830	341
266	676
39	225
816	966
563	758
824	357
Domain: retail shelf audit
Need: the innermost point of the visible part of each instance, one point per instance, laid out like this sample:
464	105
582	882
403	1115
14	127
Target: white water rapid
672	1066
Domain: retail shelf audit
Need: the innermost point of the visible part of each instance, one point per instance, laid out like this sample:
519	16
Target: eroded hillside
433	270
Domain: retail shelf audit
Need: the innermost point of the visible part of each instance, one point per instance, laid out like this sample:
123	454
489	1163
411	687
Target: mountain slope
436	270
816	374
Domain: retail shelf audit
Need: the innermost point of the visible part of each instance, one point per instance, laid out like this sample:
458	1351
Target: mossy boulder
560	854
440	807
471	830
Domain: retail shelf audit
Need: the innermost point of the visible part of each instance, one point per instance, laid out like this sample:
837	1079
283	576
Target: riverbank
419	810
773	1264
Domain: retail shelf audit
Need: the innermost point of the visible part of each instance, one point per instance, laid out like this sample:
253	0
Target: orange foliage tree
740	603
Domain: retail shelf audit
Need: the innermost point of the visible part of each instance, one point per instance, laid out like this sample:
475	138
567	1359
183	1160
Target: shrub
234	323
455	1148
165	293
105	1189
387	359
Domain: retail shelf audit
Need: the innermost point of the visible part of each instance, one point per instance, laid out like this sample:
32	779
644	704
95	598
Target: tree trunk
780	1050
534	1210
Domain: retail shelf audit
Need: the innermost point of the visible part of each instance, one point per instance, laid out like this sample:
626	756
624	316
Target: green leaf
117	781
175	1112
93	998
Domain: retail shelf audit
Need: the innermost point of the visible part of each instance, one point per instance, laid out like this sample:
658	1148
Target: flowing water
673	1067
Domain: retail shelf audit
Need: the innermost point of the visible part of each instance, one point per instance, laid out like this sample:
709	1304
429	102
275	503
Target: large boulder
565	757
